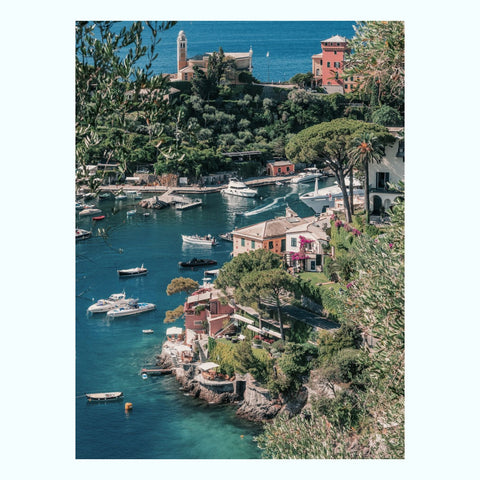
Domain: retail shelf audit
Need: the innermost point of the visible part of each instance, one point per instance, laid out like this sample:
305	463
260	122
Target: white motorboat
121	196
105	304
320	199
207	240
131	212
131	308
132	272
89	211
81	234
308	175
240	189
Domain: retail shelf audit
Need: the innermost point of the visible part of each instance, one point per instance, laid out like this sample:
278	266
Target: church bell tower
181	51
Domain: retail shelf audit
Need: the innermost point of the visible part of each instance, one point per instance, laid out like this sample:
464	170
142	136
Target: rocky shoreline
254	402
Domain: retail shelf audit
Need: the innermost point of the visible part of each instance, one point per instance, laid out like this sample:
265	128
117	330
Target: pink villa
327	66
206	311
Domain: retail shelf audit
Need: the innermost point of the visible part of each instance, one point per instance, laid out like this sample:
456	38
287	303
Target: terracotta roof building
269	235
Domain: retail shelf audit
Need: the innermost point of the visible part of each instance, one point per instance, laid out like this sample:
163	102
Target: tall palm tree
365	149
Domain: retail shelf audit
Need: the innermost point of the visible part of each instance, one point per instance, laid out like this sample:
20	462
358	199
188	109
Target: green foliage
113	77
223	354
350	362
329	344
296	362
211	344
181	284
232	272
313	436
299	332
388	116
247	77
378	58
331	302
341	410
173	315
326	267
302	79
258	365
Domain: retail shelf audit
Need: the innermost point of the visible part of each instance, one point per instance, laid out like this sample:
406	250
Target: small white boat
103	397
83	206
207	240
132	308
240	189
308	175
89	211
186	205
148	330
121	196
131	212
81	234
132	272
212	273
144	376
105	304
228	237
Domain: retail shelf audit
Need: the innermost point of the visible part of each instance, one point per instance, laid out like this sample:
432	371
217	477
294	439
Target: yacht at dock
240	189
320	199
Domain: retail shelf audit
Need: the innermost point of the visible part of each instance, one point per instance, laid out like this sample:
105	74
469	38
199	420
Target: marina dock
171	192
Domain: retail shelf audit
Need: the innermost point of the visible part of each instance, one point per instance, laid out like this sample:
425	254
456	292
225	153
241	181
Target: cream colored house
391	170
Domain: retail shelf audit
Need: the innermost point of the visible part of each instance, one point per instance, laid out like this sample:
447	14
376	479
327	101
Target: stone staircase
201	352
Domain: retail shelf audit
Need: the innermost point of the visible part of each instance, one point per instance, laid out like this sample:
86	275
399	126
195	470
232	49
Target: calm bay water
290	44
164	423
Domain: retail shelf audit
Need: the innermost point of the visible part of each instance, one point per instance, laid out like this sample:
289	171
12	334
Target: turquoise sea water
290	45
164	423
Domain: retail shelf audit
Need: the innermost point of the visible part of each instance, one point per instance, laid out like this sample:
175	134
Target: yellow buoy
128	406
241	436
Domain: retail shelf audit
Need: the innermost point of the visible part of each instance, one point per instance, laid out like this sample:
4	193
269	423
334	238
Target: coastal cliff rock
257	404
294	405
193	383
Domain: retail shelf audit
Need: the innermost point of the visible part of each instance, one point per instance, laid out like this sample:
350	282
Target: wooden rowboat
103	397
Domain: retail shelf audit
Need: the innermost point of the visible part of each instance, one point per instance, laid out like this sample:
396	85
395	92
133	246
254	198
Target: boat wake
275	204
